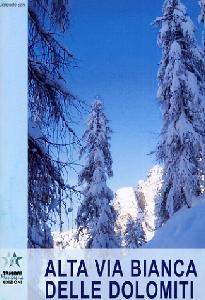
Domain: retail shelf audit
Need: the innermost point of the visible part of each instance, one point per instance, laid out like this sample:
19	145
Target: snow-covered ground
64	239
186	229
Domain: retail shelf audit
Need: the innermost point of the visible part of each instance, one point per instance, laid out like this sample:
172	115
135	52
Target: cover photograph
102	149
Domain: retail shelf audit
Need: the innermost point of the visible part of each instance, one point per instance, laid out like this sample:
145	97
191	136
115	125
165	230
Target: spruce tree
180	94
134	233
95	218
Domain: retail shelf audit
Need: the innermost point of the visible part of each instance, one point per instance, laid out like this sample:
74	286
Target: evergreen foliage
96	217
181	90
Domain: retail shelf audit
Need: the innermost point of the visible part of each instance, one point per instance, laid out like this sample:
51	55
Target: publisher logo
12	274
11	261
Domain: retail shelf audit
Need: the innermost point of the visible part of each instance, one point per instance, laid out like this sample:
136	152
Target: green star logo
11	260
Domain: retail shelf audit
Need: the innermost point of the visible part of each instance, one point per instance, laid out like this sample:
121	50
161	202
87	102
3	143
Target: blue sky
117	56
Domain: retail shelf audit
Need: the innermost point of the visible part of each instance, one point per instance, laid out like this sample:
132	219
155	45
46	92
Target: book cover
102	149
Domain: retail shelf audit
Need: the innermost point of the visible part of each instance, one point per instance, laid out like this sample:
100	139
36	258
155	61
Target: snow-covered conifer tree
180	93
134	234
96	216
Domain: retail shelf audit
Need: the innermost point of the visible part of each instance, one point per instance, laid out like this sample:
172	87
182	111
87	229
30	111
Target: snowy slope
65	239
186	229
